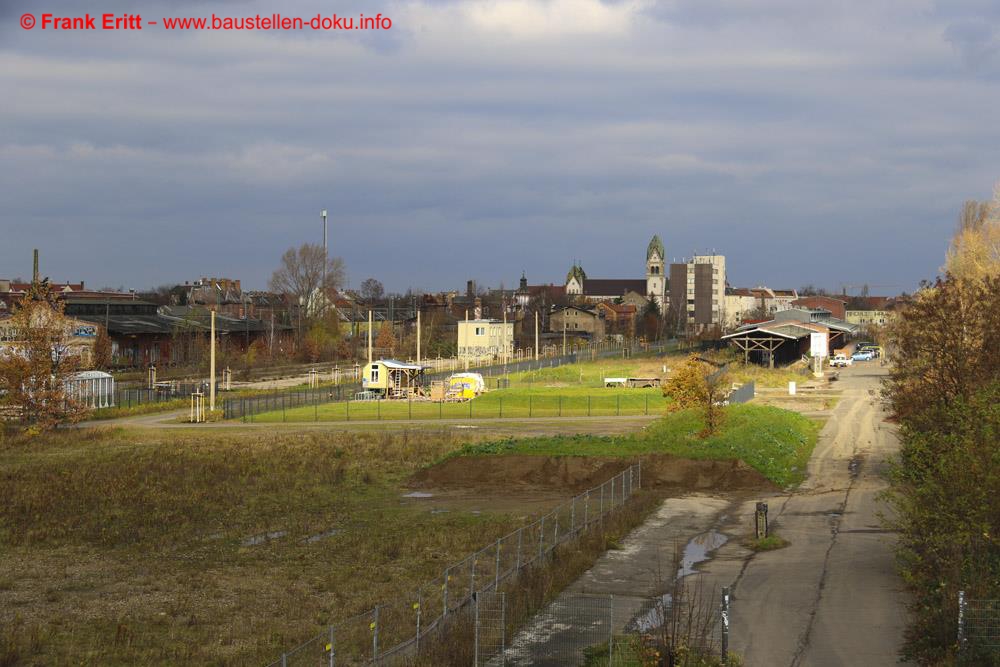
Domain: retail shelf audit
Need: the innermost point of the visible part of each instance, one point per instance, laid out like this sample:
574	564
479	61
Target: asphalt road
833	596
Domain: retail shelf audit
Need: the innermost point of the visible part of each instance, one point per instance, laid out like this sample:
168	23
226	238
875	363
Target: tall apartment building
698	291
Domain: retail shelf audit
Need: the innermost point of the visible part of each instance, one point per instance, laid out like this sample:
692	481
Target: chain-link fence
247	408
394	631
742	394
602	631
978	631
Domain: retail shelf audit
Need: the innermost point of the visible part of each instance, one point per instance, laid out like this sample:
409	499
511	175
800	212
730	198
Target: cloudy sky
809	142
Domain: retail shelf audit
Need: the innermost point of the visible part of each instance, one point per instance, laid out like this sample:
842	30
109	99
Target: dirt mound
578	473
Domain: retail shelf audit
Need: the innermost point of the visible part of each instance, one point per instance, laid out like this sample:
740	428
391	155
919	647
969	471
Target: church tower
656	281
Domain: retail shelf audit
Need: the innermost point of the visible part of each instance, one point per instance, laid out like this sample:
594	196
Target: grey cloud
144	159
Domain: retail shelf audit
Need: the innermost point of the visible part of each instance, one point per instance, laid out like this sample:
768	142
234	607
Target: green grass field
573	390
502	403
777	443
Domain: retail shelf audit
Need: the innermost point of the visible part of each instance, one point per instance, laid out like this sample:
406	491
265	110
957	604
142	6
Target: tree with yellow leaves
974	253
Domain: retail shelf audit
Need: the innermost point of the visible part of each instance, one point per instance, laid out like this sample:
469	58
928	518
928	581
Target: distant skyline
809	143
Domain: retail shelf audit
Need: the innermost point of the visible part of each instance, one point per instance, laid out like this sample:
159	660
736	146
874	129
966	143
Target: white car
841	361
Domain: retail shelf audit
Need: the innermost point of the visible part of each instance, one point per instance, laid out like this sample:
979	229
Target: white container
791	388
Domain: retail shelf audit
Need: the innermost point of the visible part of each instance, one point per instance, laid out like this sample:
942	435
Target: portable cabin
465	386
389	378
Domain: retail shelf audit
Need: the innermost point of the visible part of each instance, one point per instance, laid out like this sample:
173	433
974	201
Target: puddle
854	466
464	426
321	536
256	540
656	613
652	618
418	494
697	551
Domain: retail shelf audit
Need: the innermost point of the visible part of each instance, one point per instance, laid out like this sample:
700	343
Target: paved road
833	596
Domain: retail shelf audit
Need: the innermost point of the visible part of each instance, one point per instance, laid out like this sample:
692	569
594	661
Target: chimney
34	272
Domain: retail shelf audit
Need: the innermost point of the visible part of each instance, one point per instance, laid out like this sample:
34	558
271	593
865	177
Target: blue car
865	355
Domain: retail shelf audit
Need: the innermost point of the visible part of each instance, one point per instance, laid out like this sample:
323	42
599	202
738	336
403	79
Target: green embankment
775	442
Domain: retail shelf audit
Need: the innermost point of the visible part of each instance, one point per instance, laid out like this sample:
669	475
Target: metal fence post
586	509
503	627
472	577
496	578
725	625
961	620
638	471
416	606
375	636
332	648
475	649
611	629
541	538
517	562
444	593
572	516
602	504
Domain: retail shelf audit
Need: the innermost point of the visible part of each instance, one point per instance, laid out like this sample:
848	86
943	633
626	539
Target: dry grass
131	548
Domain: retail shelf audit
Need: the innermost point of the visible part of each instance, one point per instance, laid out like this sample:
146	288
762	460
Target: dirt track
833	596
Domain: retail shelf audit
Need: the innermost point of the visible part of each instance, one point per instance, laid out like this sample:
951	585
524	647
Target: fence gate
490	628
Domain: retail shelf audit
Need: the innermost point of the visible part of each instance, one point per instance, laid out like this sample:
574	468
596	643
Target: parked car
841	361
864	355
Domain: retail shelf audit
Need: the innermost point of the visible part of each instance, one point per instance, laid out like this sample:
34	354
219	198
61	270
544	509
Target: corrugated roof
393	363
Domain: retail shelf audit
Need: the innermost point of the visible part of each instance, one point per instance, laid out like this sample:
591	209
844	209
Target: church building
652	288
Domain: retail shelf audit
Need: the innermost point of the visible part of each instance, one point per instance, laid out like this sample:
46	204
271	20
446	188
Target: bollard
760	521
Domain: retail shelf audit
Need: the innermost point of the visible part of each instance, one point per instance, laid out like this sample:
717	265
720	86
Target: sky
811	143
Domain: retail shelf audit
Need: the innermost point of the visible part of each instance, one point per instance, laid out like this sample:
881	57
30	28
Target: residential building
870	318
485	338
698	291
578	320
836	305
619	318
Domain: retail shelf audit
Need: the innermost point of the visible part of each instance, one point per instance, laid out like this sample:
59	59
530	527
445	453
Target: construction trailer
391	379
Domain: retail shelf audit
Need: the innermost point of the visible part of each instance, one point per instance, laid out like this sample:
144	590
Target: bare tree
371	291
301	273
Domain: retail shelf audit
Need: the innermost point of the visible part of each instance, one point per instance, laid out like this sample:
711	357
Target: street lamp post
325	260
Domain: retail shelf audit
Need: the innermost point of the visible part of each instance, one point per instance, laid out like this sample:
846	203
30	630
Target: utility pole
503	357
211	387
418	337
564	334
536	335
369	336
